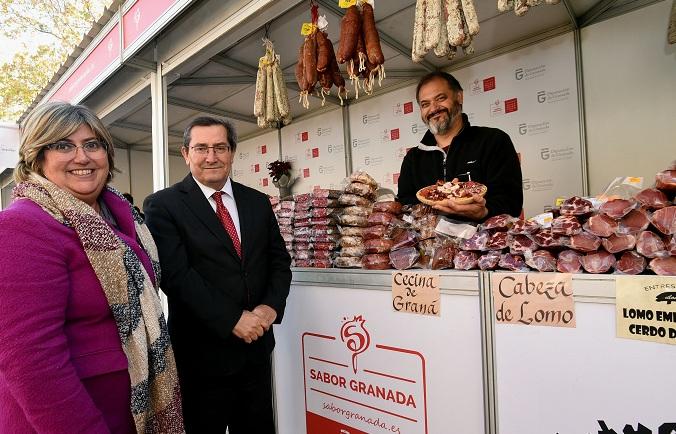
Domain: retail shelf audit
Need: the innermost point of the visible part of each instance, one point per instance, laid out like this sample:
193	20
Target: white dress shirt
228	200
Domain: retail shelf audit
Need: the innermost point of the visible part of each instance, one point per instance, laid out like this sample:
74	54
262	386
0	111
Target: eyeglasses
93	148
218	149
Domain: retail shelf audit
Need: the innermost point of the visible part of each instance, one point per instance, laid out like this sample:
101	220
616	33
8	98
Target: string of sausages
443	26
520	7
360	47
271	101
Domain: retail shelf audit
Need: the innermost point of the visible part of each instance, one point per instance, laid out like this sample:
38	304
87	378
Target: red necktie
226	221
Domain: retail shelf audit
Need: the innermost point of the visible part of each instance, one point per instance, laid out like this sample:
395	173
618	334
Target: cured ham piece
500	222
568	261
489	261
664	266
524	227
617	208
478	241
585	242
618	243
634	222
566	225
665	220
597	262
601	225
404	258
498	241
652	198
671	245
541	260
630	263
651	245
576	206
520	244
464	260
666	180
545	238
512	262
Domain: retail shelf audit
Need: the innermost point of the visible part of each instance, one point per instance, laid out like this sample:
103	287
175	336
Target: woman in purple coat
84	346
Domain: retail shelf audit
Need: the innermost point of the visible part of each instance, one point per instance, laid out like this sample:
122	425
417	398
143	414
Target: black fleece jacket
487	154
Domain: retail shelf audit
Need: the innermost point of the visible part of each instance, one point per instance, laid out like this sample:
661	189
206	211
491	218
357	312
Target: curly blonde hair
52	122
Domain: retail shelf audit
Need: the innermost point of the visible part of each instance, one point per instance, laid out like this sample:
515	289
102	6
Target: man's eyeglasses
93	148
218	149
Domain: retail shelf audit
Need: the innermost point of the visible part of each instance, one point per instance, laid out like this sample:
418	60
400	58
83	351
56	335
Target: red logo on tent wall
408	107
511	105
304	136
306	173
355	337
257	167
315	152
265	182
489	84
394	134
264	149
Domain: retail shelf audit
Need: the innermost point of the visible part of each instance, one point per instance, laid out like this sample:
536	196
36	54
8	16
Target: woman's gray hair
48	124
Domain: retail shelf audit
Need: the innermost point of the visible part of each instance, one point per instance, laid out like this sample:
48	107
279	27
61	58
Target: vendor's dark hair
453	83
207	121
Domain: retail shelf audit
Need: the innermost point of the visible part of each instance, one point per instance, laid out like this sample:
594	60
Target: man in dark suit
225	270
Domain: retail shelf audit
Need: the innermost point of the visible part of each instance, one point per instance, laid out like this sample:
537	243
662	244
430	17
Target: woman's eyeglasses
93	148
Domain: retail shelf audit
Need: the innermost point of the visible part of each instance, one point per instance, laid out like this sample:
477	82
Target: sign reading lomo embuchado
416	292
646	308
541	299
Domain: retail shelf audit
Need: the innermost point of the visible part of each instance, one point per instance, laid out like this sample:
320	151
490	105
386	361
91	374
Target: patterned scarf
133	299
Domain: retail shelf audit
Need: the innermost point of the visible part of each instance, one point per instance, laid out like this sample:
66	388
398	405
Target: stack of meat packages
625	236
284	212
315	230
357	198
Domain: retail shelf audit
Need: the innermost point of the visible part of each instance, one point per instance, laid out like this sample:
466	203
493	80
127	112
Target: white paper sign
9	145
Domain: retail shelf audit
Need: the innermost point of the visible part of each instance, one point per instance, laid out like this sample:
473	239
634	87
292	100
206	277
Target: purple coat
62	367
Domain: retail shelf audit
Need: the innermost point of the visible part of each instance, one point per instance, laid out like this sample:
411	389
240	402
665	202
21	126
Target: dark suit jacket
206	283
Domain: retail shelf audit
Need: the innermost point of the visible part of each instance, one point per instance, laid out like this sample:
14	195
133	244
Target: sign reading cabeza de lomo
646	308
543	299
356	385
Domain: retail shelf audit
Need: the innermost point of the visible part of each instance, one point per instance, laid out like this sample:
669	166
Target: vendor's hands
250	327
474	210
267	314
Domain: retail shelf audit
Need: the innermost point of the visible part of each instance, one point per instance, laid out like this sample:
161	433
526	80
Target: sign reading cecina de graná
416	292
544	299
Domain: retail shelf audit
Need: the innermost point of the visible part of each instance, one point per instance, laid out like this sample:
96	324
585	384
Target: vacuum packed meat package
377	231
597	262
541	260
618	243
601	225
651	245
347	262
325	212
665	220
380	218
576	206
524	227
404	258
664	266
361	211
348	199
520	244
442	255
321	193
652	198
489	260
500	222
666	180
617	208
378	246
511	262
465	260
630	263
671	245
566	225
405	238
478	241
545	238
322	263
351	231
376	261
634	222
303	263
363	177
497	241
352	251
347	241
568	261
324	202
360	189
353	220
585	242
391	206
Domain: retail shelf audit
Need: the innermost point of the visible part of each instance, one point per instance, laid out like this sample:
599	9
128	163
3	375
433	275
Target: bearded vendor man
452	149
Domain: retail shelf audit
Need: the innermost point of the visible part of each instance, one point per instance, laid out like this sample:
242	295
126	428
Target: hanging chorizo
350	28
371	38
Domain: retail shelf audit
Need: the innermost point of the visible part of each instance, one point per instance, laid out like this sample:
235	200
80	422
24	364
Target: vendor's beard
444	124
